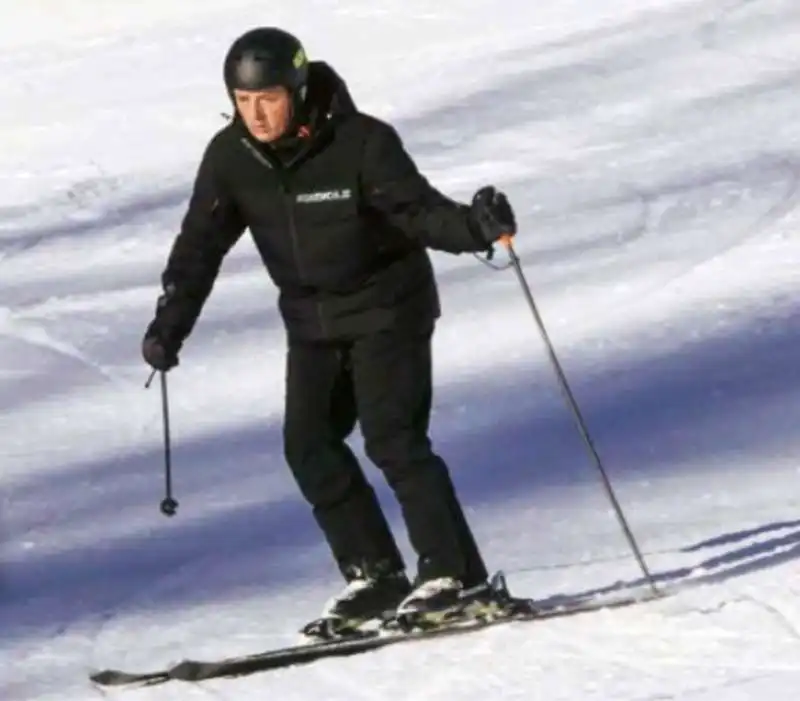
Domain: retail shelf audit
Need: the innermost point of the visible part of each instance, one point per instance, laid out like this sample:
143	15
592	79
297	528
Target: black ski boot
371	595
445	601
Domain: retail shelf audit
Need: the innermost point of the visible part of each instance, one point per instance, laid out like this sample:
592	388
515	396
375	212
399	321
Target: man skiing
342	219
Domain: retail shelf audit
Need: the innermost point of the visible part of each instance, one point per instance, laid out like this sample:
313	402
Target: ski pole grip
505	240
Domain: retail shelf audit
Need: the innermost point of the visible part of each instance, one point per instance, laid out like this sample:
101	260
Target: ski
361	642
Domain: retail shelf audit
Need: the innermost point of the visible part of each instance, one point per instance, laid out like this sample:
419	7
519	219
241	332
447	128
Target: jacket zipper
296	249
293	230
289	203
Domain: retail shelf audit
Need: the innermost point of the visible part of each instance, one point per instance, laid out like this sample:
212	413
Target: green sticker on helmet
299	58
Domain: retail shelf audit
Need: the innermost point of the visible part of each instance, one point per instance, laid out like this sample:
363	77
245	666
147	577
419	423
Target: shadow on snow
253	537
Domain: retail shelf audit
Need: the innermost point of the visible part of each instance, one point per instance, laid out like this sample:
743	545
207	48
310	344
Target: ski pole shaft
569	397
168	505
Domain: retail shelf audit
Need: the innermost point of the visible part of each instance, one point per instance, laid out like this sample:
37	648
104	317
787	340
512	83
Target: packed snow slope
652	151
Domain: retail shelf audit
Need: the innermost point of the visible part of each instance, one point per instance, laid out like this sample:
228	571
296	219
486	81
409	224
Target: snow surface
652	150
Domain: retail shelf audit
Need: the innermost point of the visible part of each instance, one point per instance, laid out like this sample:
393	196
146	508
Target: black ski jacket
339	213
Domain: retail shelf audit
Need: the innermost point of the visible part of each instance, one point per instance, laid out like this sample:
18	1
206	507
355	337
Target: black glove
491	215
158	351
160	347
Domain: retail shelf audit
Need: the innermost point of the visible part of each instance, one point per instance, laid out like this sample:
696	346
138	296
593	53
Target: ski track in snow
653	153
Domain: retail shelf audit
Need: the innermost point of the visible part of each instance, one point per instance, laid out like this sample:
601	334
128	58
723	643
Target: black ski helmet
266	57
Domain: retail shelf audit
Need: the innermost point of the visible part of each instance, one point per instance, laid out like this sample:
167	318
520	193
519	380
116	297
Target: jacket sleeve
210	228
394	188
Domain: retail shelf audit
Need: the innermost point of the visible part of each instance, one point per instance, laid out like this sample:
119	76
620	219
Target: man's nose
260	112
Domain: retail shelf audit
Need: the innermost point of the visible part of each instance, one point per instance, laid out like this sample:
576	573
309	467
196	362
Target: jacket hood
327	94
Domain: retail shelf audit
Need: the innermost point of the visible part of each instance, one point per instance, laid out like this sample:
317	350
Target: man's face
266	113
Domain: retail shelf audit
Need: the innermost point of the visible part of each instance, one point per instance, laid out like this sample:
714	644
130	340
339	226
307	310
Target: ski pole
506	241
168	504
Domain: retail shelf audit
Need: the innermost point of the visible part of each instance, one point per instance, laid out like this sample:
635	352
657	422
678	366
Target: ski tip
116	677
104	677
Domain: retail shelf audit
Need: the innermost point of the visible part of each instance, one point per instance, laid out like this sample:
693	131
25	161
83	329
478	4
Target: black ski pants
384	382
